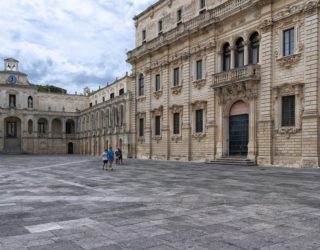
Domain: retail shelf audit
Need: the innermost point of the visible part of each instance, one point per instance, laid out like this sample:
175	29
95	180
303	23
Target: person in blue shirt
110	155
105	159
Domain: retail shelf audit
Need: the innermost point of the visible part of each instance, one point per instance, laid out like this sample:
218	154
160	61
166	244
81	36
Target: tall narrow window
254	48
160	26
239	62
199	121
288	42
144	36
226	57
141	85
157	125
141	127
288	111
157	82
176	123
30	127
121	91
199	69
176	77
12	101
202	4
179	16
103	99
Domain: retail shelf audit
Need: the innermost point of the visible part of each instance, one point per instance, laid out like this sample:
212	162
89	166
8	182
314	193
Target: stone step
233	161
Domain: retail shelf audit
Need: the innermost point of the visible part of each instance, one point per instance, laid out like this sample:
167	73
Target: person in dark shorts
119	155
105	159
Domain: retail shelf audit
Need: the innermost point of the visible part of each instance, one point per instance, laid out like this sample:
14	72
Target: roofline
11	59
148	9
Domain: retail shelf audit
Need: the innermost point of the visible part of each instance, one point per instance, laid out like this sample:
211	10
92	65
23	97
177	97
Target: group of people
108	157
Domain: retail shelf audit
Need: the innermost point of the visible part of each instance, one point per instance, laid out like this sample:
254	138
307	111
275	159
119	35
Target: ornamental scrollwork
176	90
157	94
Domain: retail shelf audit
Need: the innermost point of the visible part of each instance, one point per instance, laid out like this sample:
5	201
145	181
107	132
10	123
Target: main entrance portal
238	129
238	135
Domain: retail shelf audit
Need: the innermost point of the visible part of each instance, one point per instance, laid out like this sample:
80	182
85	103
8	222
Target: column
232	59
246	53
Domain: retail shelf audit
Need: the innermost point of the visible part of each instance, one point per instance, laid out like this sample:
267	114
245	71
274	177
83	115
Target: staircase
233	161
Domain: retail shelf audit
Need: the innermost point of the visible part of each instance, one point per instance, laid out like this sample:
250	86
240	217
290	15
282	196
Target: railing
250	72
202	20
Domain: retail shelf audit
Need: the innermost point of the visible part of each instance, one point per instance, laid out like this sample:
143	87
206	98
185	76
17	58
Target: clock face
12	79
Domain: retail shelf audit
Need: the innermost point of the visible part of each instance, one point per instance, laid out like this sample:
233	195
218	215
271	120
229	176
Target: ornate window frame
288	89
157	93
176	90
290	60
199	105
141	115
176	109
199	83
157	112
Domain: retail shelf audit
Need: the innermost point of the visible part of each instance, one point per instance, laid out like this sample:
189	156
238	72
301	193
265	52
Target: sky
69	43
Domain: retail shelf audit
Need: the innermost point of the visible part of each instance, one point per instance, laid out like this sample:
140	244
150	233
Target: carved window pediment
176	108
157	111
199	105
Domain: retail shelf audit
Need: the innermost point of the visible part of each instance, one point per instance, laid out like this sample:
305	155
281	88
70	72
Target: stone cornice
202	21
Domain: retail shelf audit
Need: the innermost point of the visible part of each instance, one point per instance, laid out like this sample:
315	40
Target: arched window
254	48
141	85
226	57
30	102
239	55
42	127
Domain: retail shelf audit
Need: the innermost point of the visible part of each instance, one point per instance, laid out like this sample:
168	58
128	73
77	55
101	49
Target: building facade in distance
217	79
35	122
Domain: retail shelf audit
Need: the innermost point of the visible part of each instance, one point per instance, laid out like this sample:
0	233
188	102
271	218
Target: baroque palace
211	80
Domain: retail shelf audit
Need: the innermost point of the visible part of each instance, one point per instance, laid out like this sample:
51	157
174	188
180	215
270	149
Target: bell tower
11	64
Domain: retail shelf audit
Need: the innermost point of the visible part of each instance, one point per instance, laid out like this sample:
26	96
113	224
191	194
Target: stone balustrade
246	73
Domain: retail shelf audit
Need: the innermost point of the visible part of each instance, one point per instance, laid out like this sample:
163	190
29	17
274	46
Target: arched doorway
239	129
70	148
12	132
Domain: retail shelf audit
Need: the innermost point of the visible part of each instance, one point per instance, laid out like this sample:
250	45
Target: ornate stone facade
222	77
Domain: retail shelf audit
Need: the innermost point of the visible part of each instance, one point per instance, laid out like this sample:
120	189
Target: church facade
211	80
228	79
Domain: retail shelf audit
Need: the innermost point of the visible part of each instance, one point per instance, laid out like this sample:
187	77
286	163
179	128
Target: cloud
71	43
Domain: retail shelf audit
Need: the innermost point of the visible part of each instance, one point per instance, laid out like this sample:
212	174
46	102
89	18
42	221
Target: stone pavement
62	202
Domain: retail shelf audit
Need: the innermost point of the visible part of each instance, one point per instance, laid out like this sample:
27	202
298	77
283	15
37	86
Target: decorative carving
176	90
289	61
266	25
288	131
176	138
198	136
199	105
141	140
157	94
199	83
157	138
141	98
157	111
176	108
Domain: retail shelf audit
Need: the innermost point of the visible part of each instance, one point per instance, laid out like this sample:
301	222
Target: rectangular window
96	102
157	125
42	129
11	130
179	16
202	4
176	123
157	82
288	42
160	26
176	77
111	95
199	70
199	121
12	101
103	99
90	104
121	91
144	35
141	127
288	111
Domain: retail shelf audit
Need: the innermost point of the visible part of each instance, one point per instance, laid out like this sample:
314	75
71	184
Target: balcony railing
246	73
205	19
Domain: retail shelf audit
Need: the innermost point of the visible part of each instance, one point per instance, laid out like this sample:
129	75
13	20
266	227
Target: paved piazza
70	203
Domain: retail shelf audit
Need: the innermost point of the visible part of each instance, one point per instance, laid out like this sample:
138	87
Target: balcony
205	19
246	73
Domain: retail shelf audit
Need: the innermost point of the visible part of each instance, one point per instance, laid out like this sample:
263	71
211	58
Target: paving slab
68	202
